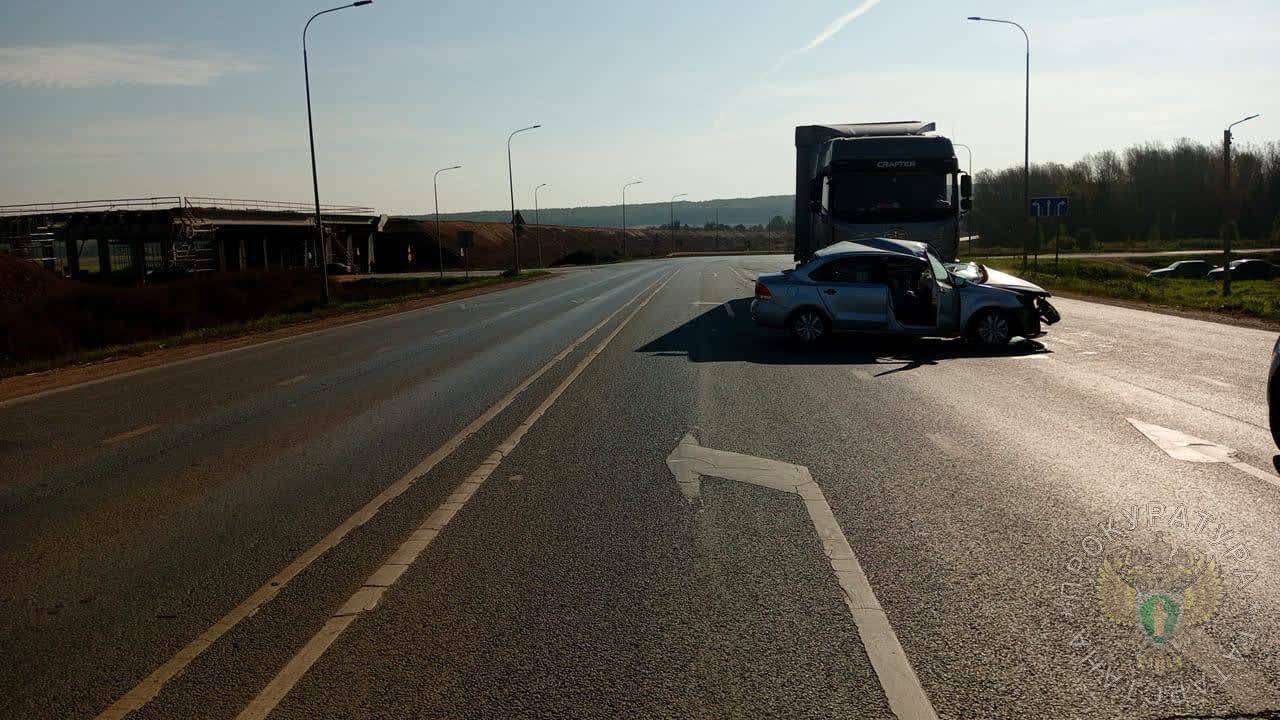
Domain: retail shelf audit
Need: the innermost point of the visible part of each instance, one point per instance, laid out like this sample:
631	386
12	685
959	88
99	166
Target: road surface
608	494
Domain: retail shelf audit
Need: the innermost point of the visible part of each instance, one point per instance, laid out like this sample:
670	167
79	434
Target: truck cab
889	180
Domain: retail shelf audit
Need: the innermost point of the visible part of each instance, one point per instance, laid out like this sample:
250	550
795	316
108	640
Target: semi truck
895	180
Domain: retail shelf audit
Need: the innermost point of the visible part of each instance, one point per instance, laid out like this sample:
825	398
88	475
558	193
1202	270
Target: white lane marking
293	380
129	435
367	597
383	350
728	308
1212	381
690	461
150	686
1181	446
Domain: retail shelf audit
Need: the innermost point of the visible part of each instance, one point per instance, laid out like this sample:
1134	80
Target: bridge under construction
126	238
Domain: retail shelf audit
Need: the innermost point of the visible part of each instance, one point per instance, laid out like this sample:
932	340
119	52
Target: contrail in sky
835	26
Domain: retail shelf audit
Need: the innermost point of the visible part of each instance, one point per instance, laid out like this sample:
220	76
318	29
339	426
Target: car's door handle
830	291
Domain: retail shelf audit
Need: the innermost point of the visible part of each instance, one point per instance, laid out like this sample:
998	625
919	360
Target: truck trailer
894	180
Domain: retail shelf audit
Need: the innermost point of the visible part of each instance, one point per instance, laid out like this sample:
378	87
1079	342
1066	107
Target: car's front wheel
992	328
808	326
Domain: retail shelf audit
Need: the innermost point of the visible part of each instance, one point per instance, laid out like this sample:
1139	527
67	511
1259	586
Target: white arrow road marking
1181	446
690	461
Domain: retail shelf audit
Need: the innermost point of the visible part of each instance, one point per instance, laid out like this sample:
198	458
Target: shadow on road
715	336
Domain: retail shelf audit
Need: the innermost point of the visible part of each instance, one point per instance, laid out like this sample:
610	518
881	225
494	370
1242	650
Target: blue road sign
1050	207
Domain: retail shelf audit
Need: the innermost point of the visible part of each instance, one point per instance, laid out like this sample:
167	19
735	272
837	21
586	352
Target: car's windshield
879	196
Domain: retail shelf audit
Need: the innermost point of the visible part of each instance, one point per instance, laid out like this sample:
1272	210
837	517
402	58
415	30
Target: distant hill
736	211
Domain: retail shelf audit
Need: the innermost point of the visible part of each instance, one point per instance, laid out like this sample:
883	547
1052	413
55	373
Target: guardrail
173	201
193	201
72	206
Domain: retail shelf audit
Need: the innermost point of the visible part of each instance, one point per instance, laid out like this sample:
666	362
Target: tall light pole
1026	132
511	183
537	220
1228	206
624	214
435	191
672	208
311	136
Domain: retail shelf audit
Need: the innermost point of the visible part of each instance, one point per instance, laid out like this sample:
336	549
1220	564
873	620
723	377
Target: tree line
1142	196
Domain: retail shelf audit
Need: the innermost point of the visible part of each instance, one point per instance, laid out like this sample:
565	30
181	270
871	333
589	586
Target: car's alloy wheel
993	329
808	326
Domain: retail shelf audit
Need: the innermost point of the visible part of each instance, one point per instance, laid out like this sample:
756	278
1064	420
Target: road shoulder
23	386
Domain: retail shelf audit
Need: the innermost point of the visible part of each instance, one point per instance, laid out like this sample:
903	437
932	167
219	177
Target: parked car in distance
1183	269
1246	269
898	287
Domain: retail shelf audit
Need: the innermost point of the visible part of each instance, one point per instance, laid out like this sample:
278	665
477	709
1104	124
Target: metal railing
273	205
73	206
173	201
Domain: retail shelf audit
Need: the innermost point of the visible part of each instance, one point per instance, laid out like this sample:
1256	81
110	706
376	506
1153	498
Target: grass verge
374	294
1122	280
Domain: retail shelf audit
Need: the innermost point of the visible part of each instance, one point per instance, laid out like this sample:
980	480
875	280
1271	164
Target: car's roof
876	246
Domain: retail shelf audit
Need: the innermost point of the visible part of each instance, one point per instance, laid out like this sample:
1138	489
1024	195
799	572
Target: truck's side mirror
966	186
965	204
815	194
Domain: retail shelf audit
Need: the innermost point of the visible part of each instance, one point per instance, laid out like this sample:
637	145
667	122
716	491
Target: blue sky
151	97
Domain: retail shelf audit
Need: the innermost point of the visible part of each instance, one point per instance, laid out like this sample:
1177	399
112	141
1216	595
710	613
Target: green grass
388	291
1122	280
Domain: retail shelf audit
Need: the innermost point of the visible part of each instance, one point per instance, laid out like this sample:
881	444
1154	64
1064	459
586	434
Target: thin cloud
92	65
830	31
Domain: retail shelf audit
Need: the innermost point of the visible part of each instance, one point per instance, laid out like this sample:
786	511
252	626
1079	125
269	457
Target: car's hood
1004	280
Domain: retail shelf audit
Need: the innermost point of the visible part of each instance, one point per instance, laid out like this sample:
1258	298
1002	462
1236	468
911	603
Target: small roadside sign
466	238
1050	207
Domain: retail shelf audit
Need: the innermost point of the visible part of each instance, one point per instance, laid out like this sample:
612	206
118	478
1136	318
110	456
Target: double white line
367	597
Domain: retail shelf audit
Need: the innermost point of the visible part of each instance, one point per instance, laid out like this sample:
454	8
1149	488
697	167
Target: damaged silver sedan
899	287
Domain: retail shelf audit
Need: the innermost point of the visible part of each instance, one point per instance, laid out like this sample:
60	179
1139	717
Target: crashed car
899	287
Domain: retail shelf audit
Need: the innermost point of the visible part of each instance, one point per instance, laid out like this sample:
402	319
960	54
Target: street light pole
624	214
672	208
511	184
311	137
537	220
435	191
1228	206
1026	130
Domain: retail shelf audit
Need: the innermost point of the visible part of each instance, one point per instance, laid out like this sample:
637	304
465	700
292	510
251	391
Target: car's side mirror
966	186
958	281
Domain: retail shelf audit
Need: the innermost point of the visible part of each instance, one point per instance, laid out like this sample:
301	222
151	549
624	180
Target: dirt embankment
564	245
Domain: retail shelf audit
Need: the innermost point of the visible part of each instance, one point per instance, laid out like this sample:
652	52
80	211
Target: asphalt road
530	554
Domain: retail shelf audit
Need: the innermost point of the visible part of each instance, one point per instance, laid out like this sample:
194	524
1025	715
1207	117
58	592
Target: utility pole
311	136
537	220
1228	207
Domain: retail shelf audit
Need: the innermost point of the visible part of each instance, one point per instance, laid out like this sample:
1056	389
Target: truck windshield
885	196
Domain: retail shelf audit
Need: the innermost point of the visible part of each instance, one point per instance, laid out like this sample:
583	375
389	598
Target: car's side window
851	270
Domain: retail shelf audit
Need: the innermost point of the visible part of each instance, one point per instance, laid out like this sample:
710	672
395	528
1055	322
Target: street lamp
537	220
511	185
672	208
311	135
1026	129
435	190
624	214
1229	206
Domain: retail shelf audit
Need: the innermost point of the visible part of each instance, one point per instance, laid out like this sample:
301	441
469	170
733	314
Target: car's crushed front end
985	286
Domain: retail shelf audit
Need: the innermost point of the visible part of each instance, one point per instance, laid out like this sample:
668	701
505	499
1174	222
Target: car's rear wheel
808	326
992	327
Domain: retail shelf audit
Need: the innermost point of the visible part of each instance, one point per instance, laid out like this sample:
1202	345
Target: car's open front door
948	298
